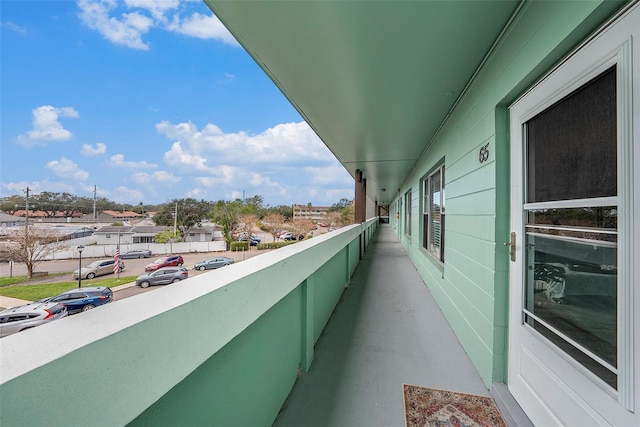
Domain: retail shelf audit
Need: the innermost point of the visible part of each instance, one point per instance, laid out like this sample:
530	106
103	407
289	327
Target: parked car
98	268
27	316
253	242
162	276
136	253
83	299
212	263
242	237
291	236
167	261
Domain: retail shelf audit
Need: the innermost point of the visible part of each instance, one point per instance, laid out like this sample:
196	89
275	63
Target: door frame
551	387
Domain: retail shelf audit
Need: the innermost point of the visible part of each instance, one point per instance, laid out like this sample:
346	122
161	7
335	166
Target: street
133	267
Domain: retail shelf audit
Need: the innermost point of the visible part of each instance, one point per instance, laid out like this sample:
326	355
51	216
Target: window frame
427	218
407	213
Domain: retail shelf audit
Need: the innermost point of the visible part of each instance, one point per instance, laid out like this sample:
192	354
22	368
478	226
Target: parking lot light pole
80	248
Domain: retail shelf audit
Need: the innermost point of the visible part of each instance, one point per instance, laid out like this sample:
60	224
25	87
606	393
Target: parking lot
133	267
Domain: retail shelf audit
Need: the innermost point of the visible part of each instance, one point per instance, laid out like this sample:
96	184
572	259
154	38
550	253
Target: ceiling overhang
374	79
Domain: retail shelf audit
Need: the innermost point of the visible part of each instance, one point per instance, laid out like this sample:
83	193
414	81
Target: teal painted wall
245	383
329	283
472	286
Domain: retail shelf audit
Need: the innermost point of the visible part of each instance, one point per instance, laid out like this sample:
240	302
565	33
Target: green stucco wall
245	383
472	286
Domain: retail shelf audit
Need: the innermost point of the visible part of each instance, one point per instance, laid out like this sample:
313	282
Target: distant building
145	234
7	220
108	215
47	214
313	213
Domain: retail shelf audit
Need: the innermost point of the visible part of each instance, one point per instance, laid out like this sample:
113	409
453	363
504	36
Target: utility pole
94	203
175	220
26	208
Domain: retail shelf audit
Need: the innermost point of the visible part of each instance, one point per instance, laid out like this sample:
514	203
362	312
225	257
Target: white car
98	268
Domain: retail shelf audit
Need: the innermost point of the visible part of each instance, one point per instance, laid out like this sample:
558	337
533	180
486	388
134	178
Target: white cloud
67	170
89	151
117	160
13	27
46	126
126	31
37	187
202	27
156	8
289	143
196	193
184	161
331	175
160	177
287	162
126	195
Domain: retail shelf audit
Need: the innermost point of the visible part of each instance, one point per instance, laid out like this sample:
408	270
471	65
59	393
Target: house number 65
483	156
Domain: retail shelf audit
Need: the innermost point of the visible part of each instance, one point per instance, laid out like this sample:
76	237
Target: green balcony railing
221	348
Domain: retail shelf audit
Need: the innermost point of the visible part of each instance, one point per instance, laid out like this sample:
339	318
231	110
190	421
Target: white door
573	322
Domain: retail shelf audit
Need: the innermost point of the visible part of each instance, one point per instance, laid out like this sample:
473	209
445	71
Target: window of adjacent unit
142	239
407	207
433	213
571	220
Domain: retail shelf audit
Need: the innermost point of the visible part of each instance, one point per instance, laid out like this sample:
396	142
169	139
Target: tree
285	210
30	245
167	236
253	205
303	226
346	210
227	215
247	224
347	215
343	203
273	223
191	213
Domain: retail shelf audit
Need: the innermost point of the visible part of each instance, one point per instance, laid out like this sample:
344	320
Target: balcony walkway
387	331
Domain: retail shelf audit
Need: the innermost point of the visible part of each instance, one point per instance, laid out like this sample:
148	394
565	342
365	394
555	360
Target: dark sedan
136	253
83	299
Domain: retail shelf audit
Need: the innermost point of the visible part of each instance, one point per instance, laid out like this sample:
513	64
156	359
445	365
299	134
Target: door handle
512	246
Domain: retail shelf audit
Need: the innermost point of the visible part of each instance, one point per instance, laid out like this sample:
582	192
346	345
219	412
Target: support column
308	333
360	198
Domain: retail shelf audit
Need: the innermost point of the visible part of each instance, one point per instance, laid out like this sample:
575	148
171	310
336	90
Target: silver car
27	316
98	268
162	276
136	253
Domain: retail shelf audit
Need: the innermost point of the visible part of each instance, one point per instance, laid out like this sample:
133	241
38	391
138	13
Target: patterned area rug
442	408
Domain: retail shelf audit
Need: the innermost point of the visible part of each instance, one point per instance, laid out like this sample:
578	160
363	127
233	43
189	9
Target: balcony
231	347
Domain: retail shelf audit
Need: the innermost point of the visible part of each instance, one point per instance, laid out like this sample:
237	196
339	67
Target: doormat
443	408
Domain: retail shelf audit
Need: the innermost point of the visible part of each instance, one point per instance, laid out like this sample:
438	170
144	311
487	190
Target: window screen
571	146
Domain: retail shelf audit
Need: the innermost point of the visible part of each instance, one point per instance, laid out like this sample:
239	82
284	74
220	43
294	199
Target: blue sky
149	101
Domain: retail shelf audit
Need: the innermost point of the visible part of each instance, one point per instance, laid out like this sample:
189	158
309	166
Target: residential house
7	220
126	235
109	215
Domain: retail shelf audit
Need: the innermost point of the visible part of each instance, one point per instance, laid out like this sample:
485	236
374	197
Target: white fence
92	250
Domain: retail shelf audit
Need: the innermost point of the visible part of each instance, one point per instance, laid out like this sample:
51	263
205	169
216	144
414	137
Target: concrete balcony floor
387	331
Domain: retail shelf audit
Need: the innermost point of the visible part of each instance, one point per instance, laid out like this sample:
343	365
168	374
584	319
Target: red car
167	261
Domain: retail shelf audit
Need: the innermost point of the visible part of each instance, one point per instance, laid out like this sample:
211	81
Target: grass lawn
36	292
5	281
